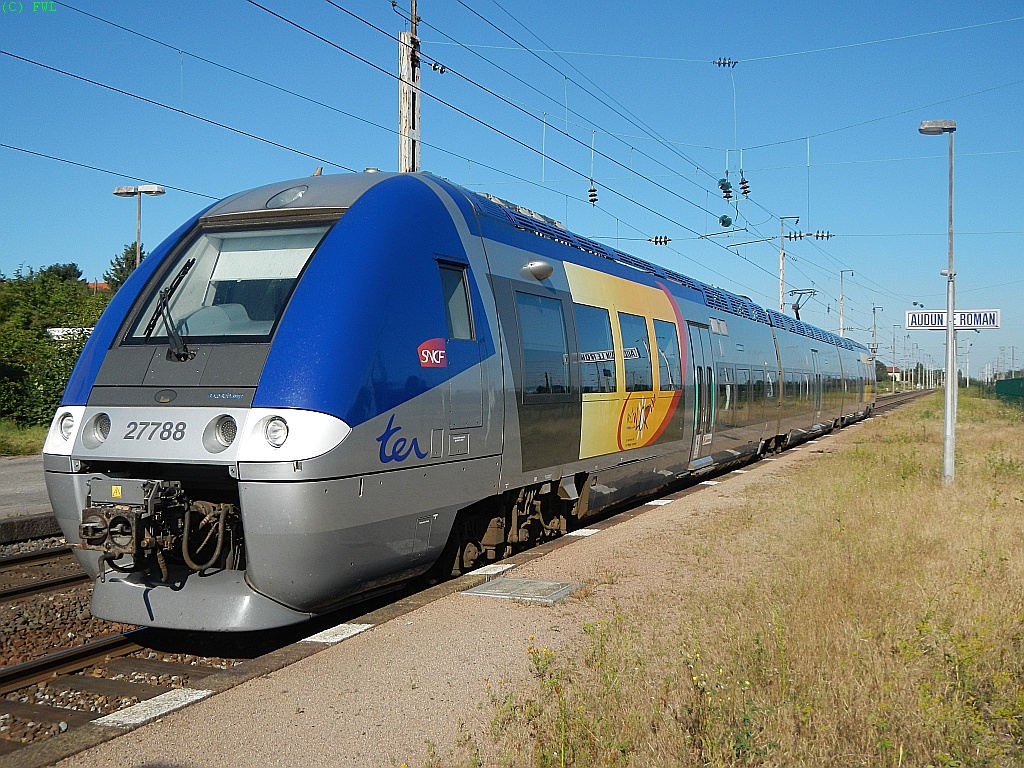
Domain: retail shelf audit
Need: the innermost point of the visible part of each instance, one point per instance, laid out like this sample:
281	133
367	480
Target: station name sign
963	320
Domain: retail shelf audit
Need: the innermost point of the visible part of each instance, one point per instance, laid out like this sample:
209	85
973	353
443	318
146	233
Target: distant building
67	334
894	372
98	286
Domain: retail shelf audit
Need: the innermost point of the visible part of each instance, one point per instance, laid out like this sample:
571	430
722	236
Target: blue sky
821	112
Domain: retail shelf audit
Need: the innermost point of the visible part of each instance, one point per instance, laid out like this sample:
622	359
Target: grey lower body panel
310	546
216	602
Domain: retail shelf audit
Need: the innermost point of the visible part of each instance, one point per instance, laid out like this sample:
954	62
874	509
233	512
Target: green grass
20	441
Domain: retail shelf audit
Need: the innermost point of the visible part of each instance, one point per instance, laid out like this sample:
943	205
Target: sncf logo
432	354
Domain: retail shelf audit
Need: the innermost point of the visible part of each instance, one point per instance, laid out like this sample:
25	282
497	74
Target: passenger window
597	352
726	397
456	302
545	349
742	396
668	356
759	391
636	347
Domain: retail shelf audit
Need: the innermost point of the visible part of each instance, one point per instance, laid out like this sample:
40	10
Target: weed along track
873	615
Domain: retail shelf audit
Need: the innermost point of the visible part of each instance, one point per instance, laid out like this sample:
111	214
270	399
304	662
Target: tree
34	367
64	272
882	373
122	266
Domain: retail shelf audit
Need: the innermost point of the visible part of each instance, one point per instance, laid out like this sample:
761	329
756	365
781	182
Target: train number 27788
162	430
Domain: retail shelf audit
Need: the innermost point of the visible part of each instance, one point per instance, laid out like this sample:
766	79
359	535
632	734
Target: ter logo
432	354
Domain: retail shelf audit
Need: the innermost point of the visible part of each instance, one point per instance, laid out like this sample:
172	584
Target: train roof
332	195
714	297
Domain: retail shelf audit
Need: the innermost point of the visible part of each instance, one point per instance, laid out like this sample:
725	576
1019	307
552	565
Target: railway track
888	402
30	573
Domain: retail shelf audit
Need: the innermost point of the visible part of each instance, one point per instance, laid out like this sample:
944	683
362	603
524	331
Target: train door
702	358
816	384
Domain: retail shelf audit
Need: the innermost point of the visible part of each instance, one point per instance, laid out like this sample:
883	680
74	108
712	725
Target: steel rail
31	672
31	558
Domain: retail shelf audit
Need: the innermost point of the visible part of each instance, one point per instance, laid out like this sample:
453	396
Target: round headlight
276	431
66	425
226	430
101	427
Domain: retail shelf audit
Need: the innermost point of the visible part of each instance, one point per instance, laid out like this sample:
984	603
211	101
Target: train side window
545	349
456	301
742	397
726	396
636	346
669	370
597	352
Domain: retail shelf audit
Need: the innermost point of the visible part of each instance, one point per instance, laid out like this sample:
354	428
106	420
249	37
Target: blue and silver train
318	389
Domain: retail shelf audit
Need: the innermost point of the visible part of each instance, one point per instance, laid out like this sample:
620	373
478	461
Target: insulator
661	240
744	185
727	194
592	193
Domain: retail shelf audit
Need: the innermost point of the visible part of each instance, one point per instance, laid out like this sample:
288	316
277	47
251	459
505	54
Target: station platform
25	511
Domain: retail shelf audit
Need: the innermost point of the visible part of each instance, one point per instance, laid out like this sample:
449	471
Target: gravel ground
34	545
43	624
379	698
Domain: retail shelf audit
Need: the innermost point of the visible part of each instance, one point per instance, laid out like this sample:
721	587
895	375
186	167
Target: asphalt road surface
22	488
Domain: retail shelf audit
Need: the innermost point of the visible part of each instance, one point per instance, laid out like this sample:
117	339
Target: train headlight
96	430
101	427
66	425
225	431
276	431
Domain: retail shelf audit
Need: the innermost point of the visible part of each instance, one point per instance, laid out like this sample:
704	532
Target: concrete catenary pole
409	97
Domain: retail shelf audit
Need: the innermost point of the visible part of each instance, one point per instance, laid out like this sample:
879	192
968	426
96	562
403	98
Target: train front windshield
231	286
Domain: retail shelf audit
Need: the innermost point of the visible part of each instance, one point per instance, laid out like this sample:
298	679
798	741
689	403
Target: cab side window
455	292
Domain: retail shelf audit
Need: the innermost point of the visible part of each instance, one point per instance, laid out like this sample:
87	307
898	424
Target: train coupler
154	523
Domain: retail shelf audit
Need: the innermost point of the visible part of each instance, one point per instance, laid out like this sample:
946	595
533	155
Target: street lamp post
896	366
137	193
937	128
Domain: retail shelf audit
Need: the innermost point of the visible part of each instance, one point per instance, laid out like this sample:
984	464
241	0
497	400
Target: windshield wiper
177	344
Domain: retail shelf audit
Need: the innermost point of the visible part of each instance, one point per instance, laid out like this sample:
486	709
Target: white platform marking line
710	482
153	708
491	570
584	532
659	502
337	634
741	471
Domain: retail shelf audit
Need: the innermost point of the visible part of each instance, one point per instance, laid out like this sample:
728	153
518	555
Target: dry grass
852	613
20	441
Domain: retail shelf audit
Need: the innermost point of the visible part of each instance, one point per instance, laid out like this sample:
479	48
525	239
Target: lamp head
937	127
126	191
151	189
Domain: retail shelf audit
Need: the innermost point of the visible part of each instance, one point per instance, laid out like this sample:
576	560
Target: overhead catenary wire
769	57
174	109
106	170
485	124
